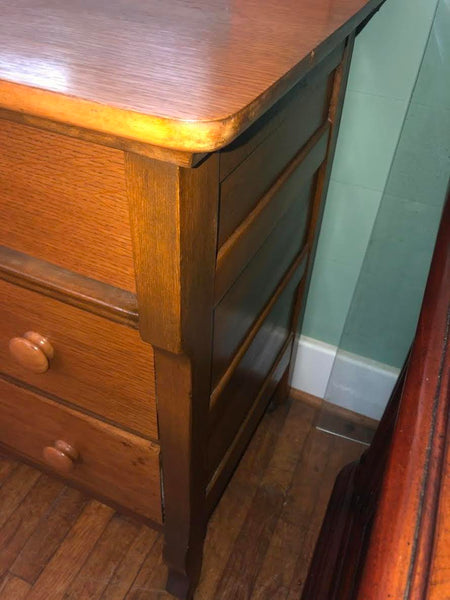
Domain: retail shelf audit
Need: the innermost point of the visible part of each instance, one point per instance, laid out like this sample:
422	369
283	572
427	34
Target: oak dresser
163	167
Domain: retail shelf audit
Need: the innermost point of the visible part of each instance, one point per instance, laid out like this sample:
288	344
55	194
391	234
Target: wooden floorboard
14	588
57	544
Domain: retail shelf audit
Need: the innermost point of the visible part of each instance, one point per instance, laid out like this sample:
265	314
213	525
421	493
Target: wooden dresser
163	167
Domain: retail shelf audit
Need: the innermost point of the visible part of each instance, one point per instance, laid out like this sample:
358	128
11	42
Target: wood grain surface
64	201
259	540
181	158
289	107
439	577
72	288
184	381
299	264
98	365
111	463
245	186
272	389
189	77
178	74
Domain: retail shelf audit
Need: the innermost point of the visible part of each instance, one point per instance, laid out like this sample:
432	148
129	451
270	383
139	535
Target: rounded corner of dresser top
187	135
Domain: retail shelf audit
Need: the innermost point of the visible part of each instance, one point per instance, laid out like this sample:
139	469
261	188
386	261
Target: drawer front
230	408
293	187
63	200
240	307
97	365
116	465
287	108
244	187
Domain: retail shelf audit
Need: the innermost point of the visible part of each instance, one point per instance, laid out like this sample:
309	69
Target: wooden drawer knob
61	456
33	351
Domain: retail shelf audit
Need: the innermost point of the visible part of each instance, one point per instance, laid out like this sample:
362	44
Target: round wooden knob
61	456
33	351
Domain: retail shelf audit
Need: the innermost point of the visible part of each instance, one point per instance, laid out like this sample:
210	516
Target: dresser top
182	74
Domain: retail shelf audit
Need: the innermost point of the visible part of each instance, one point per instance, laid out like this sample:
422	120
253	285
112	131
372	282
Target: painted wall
386	60
383	314
375	247
385	309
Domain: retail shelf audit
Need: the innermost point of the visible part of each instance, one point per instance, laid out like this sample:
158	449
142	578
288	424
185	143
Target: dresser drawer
114	464
230	407
238	310
64	200
292	105
303	112
98	365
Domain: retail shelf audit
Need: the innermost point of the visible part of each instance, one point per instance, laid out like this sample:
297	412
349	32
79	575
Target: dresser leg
180	585
184	558
182	394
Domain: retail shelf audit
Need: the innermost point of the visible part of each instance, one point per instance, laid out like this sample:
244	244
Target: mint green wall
383	314
386	60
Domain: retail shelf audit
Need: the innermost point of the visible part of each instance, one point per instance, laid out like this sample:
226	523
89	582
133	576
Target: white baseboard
358	383
313	364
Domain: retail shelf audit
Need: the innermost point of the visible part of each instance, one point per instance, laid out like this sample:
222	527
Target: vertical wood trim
152	188
183	412
323	180
199	205
174	221
334	117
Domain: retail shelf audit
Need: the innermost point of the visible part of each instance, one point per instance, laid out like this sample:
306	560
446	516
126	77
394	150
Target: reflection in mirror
383	313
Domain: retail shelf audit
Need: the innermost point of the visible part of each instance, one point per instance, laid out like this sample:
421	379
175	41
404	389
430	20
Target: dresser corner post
335	108
173	212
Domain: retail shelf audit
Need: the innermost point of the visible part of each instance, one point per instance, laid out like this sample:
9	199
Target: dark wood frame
379	536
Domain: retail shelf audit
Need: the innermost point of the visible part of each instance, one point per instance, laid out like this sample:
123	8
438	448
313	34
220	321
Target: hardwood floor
57	544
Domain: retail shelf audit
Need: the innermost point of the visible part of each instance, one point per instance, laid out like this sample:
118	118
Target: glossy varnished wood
137	70
296	269
115	464
439	576
250	180
219	251
271	389
342	543
57	543
55	191
386	531
287	108
237	419
178	157
32	351
407	553
98	365
175	297
72	288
